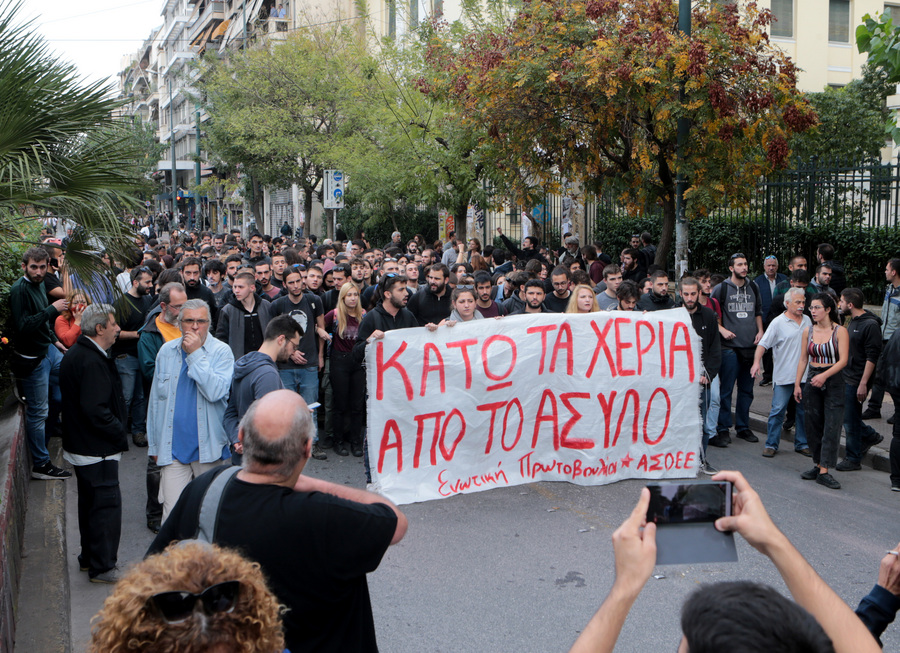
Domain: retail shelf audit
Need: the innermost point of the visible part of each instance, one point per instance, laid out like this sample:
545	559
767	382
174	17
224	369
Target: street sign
333	195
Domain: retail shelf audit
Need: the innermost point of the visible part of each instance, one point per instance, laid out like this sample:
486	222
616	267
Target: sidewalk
877	457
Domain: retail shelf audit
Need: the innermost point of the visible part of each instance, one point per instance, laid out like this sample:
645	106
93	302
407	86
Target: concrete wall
13	497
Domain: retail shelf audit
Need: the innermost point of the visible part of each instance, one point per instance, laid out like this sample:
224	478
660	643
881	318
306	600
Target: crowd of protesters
188	332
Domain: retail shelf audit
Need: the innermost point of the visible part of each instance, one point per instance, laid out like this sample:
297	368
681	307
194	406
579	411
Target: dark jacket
149	344
513	304
865	345
379	319
33	318
652	302
765	293
230	329
255	375
888	370
521	254
706	324
429	308
93	407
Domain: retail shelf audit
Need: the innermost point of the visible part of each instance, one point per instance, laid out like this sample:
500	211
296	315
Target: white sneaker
706	468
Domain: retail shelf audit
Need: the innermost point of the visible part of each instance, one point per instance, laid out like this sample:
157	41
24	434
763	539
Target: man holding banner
388	315
494	404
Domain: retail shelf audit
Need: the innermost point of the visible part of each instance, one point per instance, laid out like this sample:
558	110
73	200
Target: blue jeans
305	382
734	369
133	389
36	388
781	395
712	411
856	431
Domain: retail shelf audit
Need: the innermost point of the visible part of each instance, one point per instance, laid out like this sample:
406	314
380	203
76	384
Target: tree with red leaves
590	91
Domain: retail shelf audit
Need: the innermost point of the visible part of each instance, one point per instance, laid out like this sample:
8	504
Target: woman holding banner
463	302
825	346
348	377
582	300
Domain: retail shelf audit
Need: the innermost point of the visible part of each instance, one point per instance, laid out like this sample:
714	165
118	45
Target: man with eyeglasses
257	374
186	410
159	328
741	328
561	280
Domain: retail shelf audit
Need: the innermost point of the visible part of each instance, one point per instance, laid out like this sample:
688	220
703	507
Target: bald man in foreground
314	540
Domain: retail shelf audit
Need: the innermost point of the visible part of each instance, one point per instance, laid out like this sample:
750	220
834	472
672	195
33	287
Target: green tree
591	90
850	129
61	151
880	38
280	110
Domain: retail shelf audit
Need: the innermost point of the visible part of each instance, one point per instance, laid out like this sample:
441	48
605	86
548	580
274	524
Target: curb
44	602
878	457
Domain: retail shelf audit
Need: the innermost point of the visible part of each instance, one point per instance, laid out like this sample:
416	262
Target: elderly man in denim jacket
187	403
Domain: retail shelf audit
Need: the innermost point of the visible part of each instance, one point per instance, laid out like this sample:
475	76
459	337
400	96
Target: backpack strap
212	501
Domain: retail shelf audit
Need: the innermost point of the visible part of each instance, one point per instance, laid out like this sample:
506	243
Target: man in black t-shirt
314	540
131	313
300	372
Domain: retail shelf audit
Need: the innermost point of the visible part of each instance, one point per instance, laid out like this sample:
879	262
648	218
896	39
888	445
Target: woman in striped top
825	347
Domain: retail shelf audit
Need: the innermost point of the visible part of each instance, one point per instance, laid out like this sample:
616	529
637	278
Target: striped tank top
826	354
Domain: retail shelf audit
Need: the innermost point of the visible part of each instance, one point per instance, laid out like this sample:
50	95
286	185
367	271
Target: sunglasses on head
177	607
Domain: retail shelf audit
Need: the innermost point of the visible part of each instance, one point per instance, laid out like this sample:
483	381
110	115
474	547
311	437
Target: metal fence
810	193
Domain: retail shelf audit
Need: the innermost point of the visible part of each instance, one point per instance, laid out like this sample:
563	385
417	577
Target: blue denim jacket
211	368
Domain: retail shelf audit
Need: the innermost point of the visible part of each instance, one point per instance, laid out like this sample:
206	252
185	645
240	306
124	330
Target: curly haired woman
192	598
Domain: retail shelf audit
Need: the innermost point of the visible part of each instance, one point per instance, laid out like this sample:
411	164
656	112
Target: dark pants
768	366
99	515
856	432
824	413
348	381
735	369
876	397
895	444
154	507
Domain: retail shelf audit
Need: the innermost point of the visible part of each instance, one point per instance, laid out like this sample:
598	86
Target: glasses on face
189	322
175	308
177	607
295	345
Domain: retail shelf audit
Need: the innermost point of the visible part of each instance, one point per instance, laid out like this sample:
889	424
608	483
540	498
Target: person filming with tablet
715	617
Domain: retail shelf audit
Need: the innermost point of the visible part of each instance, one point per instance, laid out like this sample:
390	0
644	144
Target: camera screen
673	503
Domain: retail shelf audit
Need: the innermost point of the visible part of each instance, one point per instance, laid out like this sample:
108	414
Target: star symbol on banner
627	460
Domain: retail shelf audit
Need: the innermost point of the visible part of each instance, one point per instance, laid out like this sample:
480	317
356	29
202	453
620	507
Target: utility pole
197	166
172	143
684	127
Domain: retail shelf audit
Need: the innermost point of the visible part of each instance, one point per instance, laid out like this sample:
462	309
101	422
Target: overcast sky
93	35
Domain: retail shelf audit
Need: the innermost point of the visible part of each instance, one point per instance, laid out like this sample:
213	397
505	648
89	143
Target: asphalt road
524	568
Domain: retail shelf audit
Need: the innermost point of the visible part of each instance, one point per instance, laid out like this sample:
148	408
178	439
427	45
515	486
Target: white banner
590	399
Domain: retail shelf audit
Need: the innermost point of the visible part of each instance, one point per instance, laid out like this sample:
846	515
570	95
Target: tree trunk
459	219
667	238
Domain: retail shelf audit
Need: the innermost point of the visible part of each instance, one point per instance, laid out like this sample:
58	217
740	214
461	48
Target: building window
839	21
783	18
413	13
392	18
892	12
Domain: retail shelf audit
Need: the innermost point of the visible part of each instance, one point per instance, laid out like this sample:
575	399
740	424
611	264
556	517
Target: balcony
211	14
